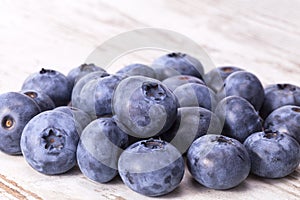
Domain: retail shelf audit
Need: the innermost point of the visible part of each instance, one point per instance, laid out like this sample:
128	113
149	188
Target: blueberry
173	64
137	69
175	81
246	85
77	73
215	78
95	96
239	116
78	115
272	154
151	167
49	142
99	148
277	95
52	83
218	162
41	99
191	123
16	110
76	92
285	119
193	95
144	106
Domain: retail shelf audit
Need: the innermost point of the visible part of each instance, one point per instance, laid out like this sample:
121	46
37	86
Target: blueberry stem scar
31	94
7	122
296	109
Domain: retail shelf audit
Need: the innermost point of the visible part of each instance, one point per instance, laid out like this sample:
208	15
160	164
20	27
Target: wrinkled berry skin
95	96
16	110
175	81
52	83
41	99
76	92
193	95
215	78
239	116
272	154
99	148
285	119
137	69
49	142
151	167
191	123
244	84
173	64
277	95
77	73
144	106
218	162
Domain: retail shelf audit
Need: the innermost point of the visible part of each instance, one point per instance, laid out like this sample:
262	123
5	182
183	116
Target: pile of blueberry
140	123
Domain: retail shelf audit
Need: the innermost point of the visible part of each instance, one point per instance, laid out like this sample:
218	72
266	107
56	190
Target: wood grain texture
261	36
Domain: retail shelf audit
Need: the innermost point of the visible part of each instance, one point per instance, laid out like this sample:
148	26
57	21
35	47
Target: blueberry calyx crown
176	55
85	65
154	144
7	122
47	71
153	91
223	140
269	134
53	139
286	87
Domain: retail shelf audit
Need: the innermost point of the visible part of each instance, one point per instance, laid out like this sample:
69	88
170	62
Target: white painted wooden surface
260	36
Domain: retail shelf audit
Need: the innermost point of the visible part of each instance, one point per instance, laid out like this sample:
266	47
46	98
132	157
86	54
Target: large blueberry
239	117
272	154
137	69
218	162
173	64
285	119
99	148
16	110
52	83
144	106
77	73
49	142
42	99
151	167
175	81
246	85
191	123
277	95
95	97
215	78
193	95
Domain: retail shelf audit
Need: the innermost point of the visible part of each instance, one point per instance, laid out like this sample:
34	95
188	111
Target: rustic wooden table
261	36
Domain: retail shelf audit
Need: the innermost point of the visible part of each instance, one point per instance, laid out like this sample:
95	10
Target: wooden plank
262	37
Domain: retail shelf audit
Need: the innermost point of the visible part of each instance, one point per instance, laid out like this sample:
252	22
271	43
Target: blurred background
261	36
